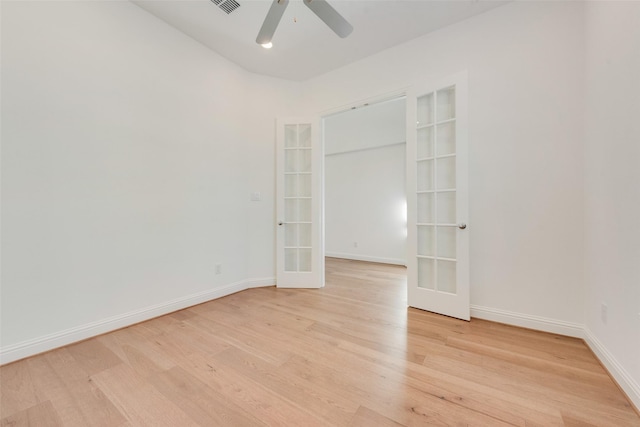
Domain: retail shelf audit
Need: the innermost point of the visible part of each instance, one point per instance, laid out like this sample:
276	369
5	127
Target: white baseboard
528	321
34	346
358	257
621	376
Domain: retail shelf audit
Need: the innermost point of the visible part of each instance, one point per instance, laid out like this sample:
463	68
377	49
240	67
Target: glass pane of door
298	200
436	190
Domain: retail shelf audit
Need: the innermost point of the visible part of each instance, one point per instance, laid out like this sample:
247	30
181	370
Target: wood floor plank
451	389
561	346
176	347
535	393
17	391
77	401
576	422
138	400
159	326
376	386
203	404
140	354
253	397
244	338
596	386
40	415
365	417
93	356
349	354
509	350
296	389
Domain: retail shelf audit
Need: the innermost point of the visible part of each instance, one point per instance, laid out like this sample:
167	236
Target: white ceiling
304	46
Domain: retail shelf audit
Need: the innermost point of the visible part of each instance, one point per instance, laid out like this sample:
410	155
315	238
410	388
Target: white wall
125	171
365	127
266	99
612	188
365	201
525	65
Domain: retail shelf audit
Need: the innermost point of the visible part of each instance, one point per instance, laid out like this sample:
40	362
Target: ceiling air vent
227	6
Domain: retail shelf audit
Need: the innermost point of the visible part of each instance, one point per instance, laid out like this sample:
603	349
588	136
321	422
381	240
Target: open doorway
433	232
365	183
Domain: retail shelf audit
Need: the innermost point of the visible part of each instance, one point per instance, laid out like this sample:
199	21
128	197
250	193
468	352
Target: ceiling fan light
268	45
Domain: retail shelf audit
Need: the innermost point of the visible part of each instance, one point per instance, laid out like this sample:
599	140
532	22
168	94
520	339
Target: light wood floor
350	354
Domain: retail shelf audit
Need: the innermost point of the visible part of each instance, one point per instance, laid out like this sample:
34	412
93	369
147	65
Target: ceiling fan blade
330	16
271	21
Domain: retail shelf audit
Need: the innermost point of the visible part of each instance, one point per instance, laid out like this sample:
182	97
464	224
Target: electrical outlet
603	312
218	268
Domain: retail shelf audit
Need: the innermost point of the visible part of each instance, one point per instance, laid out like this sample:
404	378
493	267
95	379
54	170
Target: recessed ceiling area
303	46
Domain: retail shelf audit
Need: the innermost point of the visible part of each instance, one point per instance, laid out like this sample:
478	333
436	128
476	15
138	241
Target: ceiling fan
321	8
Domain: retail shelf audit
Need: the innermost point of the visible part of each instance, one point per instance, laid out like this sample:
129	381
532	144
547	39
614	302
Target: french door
299	240
437	198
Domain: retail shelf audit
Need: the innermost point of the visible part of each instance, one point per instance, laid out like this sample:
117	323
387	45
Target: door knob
462	226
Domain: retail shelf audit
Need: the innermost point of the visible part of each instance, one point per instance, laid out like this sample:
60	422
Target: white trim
528	321
630	387
31	347
356	257
359	150
377	99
